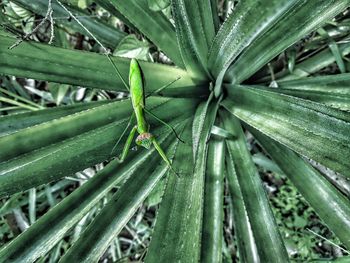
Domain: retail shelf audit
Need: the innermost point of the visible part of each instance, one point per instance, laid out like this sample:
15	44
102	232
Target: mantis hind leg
166	124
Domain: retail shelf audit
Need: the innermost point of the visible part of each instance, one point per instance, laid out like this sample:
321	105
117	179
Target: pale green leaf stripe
192	32
331	206
333	90
107	34
42	236
250	19
12	123
339	83
336	100
265	231
245	240
44	62
282	35
158	28
213	212
94	241
311	129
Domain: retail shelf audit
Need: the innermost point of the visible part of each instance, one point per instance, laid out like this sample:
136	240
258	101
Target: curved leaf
59	65
311	129
154	25
195	31
332	207
267	238
281	35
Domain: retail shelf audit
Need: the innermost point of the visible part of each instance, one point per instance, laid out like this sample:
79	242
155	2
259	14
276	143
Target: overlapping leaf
311	129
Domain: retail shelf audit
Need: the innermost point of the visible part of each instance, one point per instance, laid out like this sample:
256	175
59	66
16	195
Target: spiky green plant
211	106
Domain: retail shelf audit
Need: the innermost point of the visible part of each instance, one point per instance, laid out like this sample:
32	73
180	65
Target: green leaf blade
213	217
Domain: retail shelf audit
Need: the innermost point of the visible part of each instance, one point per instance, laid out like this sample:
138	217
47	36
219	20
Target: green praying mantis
138	99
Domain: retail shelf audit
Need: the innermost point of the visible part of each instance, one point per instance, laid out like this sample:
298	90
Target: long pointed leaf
245	240
180	214
154	25
59	65
195	32
249	20
68	156
12	123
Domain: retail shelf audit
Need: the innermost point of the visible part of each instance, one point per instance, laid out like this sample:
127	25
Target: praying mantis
138	99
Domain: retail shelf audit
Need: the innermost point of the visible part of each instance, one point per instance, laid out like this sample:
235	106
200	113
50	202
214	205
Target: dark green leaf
249	21
245	240
51	228
12	123
62	155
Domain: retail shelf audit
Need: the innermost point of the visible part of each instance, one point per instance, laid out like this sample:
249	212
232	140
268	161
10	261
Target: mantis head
144	140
